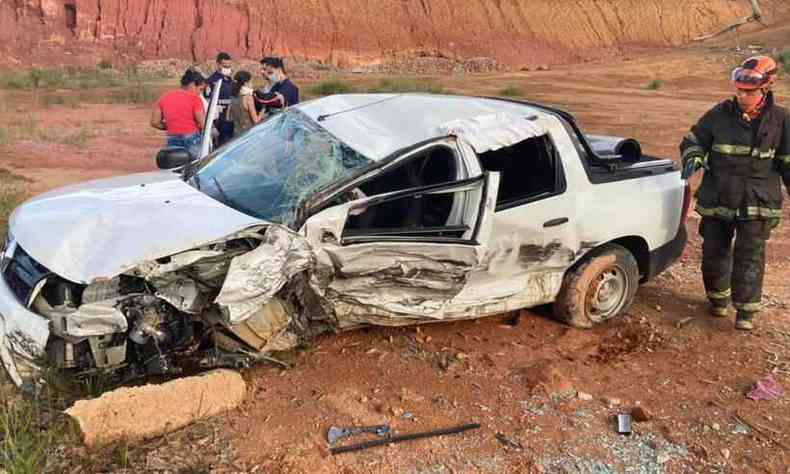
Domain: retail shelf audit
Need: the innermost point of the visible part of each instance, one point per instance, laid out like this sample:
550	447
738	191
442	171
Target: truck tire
601	287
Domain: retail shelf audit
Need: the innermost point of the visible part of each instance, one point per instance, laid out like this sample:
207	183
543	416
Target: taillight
686	203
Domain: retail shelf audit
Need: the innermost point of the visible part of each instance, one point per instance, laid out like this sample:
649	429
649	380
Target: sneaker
744	321
718	311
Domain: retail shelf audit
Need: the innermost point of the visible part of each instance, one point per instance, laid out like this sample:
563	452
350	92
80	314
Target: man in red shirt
180	112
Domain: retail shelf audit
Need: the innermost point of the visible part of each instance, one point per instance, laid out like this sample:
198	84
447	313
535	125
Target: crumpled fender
256	276
23	338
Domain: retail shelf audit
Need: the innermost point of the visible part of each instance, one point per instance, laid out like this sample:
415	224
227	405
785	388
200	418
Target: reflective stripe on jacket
745	162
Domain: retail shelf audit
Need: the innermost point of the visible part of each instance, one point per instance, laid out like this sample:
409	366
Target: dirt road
548	388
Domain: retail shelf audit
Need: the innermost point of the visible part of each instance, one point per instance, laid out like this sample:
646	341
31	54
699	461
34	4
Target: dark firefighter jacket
745	162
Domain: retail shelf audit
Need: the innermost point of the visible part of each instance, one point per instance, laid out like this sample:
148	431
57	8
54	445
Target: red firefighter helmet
757	72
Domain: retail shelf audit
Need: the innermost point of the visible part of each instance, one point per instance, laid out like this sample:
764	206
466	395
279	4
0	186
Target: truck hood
102	228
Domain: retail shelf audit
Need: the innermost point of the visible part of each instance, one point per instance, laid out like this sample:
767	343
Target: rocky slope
350	32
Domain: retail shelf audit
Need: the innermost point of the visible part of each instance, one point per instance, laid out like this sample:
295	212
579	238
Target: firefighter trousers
734	273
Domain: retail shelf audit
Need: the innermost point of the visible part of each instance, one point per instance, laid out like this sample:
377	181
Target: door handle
556	222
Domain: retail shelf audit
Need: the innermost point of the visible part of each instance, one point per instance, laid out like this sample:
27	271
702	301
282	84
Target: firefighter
744	146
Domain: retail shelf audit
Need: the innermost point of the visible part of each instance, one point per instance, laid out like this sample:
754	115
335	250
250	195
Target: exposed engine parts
228	304
148	317
172	313
156	329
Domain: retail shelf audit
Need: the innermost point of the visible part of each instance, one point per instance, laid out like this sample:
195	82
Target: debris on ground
683	322
509	442
766	388
624	424
641	415
584	396
139	413
642	453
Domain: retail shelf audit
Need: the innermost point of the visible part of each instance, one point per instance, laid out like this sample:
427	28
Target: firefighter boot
744	321
719	308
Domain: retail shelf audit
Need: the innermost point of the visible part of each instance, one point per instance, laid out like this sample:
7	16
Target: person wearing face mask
224	74
744	146
280	91
242	107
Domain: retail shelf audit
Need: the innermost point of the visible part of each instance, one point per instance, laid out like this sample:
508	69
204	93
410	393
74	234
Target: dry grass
407	84
24	444
73	79
330	87
383	85
36	436
511	91
12	193
784	60
27	127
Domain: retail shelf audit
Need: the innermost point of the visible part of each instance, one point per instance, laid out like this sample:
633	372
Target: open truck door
416	270
206	145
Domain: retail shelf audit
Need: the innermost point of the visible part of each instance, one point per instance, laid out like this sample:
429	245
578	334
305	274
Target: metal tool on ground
406	437
336	433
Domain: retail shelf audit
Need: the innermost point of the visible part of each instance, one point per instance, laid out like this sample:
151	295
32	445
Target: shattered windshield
272	169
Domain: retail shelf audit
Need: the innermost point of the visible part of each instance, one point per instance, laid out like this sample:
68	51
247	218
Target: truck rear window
529	170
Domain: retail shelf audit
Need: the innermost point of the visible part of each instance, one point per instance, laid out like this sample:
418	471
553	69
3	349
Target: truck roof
377	125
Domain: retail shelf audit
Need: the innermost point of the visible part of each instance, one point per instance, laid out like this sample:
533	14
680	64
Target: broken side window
433	166
439	213
529	170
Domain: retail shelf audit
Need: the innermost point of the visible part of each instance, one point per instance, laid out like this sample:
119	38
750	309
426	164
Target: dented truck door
535	237
410	269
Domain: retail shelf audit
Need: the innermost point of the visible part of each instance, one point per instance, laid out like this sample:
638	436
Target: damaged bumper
23	338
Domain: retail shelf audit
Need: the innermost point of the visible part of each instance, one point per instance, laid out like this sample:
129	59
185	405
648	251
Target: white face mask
226	71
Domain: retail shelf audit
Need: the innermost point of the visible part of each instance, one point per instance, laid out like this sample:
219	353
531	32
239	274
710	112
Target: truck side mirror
172	157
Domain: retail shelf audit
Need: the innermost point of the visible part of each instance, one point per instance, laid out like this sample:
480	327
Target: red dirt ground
521	381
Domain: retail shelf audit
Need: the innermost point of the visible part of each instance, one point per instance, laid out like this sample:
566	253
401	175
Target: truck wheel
600	288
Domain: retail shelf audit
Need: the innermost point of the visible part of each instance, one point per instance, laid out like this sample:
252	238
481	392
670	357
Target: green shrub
31	430
400	85
73	78
329	87
655	84
142	94
104	64
511	91
15	80
11	195
784	60
77	138
59	98
23	445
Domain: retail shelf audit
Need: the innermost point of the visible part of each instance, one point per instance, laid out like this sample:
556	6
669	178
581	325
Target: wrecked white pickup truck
342	212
